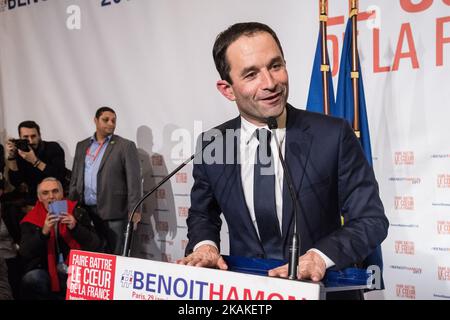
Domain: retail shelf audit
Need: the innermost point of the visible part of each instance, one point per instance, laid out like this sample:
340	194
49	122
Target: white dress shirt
248	145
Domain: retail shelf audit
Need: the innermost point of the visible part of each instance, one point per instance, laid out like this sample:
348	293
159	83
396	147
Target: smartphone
57	207
21	144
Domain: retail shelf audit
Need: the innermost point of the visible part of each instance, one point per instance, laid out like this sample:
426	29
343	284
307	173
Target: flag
344	99
344	109
315	95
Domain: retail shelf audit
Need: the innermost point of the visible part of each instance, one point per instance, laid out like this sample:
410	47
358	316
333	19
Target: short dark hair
228	36
100	111
30	125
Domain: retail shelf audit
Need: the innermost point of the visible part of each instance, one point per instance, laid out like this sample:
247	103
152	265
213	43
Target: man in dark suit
106	179
331	176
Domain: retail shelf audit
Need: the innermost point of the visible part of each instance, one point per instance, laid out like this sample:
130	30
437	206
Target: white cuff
328	262
211	243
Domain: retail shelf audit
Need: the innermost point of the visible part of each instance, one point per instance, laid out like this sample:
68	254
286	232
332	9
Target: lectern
98	276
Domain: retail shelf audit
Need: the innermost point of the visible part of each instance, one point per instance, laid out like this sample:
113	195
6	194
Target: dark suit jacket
331	176
52	155
118	178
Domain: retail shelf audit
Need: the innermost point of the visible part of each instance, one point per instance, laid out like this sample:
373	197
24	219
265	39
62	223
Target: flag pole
324	67
355	72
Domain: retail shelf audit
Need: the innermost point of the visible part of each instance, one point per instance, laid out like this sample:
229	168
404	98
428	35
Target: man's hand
28	156
69	220
49	223
311	266
136	219
205	256
10	149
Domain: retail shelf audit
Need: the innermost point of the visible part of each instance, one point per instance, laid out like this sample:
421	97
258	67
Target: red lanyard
88	151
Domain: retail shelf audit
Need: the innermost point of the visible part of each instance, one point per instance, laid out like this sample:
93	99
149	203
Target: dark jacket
118	178
52	155
331	177
33	244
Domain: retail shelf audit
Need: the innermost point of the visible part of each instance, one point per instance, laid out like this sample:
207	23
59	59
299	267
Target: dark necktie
264	197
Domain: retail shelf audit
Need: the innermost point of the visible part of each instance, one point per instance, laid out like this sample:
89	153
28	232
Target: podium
98	276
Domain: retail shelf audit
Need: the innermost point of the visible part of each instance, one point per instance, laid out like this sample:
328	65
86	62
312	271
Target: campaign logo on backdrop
405	291
404	203
183	212
157	160
160	194
443	227
404	158
404	247
443	273
443	181
181	177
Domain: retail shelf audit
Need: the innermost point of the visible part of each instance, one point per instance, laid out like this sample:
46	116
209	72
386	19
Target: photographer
48	234
31	161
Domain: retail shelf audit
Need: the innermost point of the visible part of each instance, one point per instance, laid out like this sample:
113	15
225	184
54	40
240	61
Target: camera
21	144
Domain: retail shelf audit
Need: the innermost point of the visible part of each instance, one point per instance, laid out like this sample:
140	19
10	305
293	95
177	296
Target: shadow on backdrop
158	221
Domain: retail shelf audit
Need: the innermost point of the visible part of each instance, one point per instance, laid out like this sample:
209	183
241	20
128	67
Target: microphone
129	230
295	245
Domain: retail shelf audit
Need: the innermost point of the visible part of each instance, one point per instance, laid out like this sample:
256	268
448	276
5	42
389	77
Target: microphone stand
129	230
295	245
